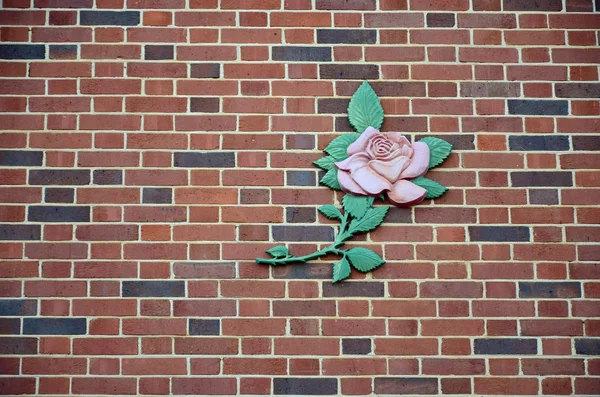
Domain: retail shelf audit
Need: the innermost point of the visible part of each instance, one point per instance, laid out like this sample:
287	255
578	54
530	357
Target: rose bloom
381	163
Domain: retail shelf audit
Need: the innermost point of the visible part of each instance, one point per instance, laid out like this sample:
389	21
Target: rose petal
398	138
370	181
419	162
405	193
392	169
361	143
353	162
348	185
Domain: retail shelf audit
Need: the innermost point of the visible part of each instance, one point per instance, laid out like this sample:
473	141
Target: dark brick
159	52
499	233
205	105
543	196
18	307
10	326
300	141
359	288
349	71
532	5
63	51
580	5
301	178
549	289
20	158
356	346
18	345
303	271
406	124
540	178
406	386
153	288
303	308
489	89
54	326
346	4
254	196
399	215
539	142
205	70
49	213
577	90
20	232
59	177
302	233
383	88
22	51
299	54
333	105
59	195
591	142
151	195
63	3
343	125
300	214
538	107
205	160
112	18
458	142
505	346
305	386
108	177
589	347
204	327
441	20
346	36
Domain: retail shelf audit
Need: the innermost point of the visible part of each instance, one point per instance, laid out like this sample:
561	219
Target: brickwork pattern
150	149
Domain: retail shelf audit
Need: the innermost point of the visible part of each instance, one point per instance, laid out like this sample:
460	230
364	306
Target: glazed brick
356	346
58	214
330	105
346	36
54	326
108	177
534	142
499	233
22	51
205	160
549	290
300	215
586	142
153	288
157	195
204	105
346	4
205	70
305	386
535	178
538	5
159	52
543	196
302	233
505	346
538	107
59	177
364	289
406	386
441	20
577	90
301	178
349	71
301	54
18	307
20	158
204	327
587	346
109	18
20	232
18	345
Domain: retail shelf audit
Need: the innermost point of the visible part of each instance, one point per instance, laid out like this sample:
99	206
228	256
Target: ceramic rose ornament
368	165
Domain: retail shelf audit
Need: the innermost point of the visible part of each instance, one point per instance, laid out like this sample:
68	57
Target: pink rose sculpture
381	163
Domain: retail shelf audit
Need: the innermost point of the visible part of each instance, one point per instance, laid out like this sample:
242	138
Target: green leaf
330	180
278	252
434	189
338	147
365	109
356	206
341	270
325	163
363	259
330	211
439	150
370	221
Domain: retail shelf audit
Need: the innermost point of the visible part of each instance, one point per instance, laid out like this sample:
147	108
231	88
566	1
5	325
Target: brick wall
151	149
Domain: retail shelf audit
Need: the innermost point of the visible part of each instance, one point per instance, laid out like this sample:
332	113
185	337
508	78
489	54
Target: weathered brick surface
151	149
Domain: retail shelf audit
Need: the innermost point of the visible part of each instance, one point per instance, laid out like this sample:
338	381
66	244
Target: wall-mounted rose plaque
369	165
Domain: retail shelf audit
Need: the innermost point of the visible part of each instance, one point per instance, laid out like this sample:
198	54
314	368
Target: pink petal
348	185
405	193
398	138
360	145
353	162
419	162
370	181
392	169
